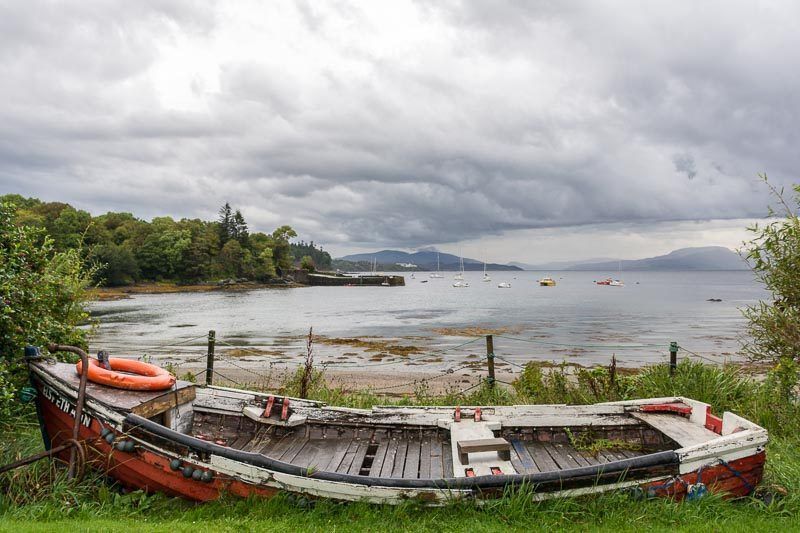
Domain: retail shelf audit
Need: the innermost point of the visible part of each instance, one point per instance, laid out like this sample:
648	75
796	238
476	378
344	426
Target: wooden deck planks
425	459
400	459
358	458
436	458
521	458
411	467
294	449
388	462
347	460
377	461
447	460
339	451
544	462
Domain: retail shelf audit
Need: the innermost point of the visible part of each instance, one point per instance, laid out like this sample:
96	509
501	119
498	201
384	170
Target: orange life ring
140	376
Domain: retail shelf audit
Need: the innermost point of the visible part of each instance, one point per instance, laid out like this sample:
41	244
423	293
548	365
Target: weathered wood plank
561	456
308	453
294	449
411	468
377	461
425	458
678	428
347	460
436	458
447	459
400	459
544	462
358	458
388	462
524	459
339	451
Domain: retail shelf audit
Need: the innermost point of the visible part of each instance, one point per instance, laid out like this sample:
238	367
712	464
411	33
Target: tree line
120	249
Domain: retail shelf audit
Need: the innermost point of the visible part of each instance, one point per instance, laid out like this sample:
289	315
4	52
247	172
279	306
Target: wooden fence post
673	357
210	357
490	359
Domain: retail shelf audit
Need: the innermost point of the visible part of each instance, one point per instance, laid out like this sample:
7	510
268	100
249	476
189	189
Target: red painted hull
738	478
140	469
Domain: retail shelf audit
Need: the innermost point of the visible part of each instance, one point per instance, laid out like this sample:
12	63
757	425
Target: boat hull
212	471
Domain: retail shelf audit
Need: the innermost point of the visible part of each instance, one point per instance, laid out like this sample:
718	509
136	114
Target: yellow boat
547	282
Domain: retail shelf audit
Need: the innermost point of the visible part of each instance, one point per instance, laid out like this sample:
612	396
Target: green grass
38	498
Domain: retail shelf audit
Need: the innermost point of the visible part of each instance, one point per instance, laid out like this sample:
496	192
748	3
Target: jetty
337	279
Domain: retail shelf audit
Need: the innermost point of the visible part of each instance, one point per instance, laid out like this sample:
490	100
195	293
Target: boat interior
401	442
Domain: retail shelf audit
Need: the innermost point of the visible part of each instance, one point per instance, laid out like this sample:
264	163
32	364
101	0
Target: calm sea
576	321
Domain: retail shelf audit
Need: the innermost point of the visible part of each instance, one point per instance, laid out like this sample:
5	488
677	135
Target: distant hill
700	258
424	259
560	265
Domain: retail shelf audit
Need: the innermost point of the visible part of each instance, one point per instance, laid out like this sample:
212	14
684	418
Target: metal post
490	359
74	452
673	357
210	357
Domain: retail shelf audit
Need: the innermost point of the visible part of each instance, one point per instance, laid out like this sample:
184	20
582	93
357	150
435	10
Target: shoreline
119	293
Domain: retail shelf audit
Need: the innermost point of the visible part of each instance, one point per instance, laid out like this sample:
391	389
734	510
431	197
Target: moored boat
199	442
547	282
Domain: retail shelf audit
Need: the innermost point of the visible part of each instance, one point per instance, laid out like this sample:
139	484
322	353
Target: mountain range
424	259
698	258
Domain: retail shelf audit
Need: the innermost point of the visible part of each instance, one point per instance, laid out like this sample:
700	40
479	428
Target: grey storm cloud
402	123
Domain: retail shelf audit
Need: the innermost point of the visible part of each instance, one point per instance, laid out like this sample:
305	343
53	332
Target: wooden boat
200	441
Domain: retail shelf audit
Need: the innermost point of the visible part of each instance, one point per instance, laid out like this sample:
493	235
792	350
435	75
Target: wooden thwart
466	447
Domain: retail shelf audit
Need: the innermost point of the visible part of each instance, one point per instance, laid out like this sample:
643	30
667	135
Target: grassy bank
38	499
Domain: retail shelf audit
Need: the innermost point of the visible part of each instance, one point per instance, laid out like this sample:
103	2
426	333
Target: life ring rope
128	374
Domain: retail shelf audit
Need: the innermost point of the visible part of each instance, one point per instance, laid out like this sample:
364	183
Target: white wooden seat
678	428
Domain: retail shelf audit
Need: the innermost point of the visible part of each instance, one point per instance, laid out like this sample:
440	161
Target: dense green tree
322	259
161	253
240	232
226	223
69	228
282	250
115	265
307	263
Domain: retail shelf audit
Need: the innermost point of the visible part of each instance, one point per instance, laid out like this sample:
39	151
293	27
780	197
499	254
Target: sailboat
459	278
485	275
460	275
437	274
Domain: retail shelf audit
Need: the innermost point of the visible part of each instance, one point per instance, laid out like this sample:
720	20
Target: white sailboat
437	274
460	275
485	275
504	285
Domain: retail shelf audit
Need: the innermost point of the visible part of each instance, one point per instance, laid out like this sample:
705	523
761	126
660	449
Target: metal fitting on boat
207	477
110	437
187	471
175	465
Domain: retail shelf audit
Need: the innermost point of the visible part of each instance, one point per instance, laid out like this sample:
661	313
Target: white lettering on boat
64	404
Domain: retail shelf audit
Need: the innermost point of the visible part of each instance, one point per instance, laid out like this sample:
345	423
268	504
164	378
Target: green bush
42	295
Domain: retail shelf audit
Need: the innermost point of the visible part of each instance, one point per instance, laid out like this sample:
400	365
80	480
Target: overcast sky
526	131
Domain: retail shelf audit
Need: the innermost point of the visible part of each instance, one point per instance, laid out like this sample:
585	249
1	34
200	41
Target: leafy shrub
42	295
